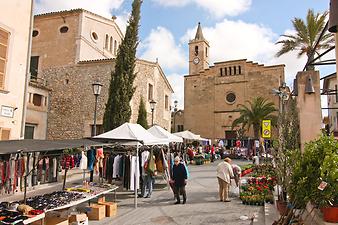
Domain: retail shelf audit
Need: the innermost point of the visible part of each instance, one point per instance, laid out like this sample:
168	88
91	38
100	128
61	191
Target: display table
35	218
86	199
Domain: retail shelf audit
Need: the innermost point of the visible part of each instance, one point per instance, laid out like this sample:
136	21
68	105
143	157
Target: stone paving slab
202	207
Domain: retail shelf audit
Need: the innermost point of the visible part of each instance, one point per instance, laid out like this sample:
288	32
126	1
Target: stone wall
72	101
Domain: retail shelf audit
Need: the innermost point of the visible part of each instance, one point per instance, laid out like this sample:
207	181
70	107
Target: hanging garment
126	175
116	166
55	166
84	161
134	173
144	158
91	159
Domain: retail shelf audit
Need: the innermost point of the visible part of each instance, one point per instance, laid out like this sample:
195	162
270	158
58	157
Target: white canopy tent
163	134
133	134
188	135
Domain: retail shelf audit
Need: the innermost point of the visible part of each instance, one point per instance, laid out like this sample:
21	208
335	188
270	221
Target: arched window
235	72
206	51
106	44
111	44
239	70
196	50
115	47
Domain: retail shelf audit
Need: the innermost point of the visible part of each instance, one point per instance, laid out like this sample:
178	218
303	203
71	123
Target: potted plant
328	197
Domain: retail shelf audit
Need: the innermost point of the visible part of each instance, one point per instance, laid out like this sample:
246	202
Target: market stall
135	135
27	163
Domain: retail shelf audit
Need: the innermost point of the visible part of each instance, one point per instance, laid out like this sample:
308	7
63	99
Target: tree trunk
310	58
256	128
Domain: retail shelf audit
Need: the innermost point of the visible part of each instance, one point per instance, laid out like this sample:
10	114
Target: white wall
15	18
95	49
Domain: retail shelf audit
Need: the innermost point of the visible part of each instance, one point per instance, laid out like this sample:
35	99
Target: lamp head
152	104
97	86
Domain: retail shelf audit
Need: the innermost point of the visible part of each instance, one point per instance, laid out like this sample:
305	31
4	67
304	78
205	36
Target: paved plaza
202	207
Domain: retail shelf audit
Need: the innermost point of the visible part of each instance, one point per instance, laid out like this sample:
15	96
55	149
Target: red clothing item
213	150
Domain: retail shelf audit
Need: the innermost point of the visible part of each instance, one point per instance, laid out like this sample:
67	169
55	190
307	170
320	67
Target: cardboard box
56	221
85	222
97	212
111	208
77	218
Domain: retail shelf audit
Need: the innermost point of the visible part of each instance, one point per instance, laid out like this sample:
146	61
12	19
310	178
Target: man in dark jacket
179	177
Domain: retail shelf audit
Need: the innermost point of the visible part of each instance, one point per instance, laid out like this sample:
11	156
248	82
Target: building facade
14	54
177	120
72	50
330	88
213	93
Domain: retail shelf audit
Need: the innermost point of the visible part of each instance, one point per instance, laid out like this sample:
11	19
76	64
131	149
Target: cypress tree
121	89
142	115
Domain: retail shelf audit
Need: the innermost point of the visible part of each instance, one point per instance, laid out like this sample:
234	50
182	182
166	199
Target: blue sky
234	28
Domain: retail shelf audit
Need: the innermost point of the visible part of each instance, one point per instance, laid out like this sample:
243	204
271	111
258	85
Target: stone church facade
73	49
212	93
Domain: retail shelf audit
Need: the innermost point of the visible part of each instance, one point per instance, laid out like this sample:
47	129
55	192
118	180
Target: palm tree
307	34
251	116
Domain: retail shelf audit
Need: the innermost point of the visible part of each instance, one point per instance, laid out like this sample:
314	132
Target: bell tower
198	52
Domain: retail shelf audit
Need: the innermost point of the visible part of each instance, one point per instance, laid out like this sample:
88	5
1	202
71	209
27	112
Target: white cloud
216	8
221	8
177	82
177	3
101	7
160	44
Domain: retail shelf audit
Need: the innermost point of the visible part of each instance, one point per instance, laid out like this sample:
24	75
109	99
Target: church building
212	93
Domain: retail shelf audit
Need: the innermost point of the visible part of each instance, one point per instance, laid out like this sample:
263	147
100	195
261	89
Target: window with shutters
4	38
4	134
29	131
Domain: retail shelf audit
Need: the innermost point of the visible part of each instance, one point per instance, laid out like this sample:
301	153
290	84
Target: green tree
251	116
142	115
121	89
307	33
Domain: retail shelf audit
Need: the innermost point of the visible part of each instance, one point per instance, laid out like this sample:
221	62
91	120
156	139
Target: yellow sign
266	128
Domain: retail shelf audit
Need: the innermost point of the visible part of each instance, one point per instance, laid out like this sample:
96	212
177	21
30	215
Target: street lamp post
152	107
96	91
174	114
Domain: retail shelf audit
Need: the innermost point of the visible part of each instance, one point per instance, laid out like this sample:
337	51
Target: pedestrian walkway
202	207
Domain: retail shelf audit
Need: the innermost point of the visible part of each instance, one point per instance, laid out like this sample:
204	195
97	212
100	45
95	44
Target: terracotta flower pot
330	214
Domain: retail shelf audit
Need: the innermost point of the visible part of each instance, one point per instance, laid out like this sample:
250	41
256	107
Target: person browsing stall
224	175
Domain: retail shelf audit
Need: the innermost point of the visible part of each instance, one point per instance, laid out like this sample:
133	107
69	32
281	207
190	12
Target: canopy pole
135	178
64	179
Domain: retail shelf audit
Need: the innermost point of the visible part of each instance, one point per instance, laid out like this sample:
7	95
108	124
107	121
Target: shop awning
33	145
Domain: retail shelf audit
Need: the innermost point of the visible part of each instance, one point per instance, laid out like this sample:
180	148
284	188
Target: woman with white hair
180	180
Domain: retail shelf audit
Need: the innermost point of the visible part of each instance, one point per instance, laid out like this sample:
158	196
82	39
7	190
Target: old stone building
212	92
72	50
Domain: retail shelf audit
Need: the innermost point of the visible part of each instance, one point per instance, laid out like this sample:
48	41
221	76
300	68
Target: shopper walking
224	175
179	179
